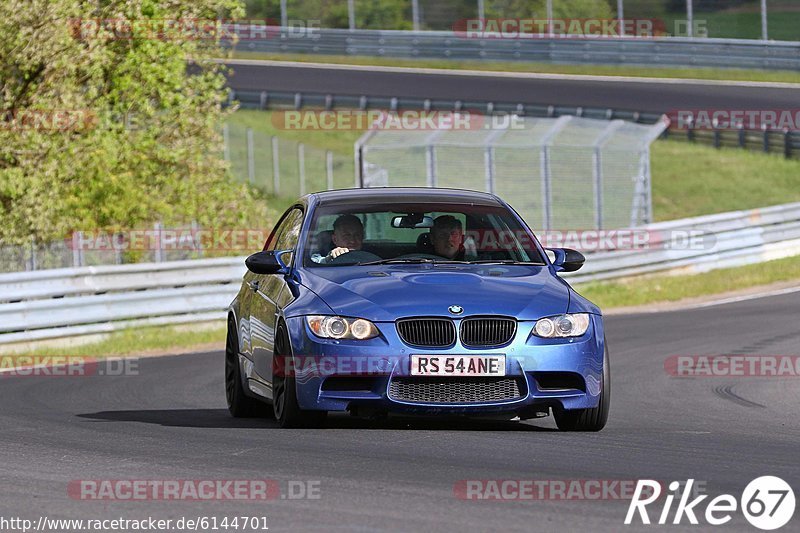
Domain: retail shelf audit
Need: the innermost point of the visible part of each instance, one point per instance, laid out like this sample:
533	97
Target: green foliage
370	14
537	9
146	144
434	14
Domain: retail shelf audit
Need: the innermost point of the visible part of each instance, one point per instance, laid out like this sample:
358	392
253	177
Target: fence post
488	164
301	164
33	253
430	164
621	16
597	170
159	251
787	144
597	174
329	168
251	161
545	170
276	168
482	11
198	243
284	15
226	137
549	9
415	14
351	14
764	32
690	18
77	250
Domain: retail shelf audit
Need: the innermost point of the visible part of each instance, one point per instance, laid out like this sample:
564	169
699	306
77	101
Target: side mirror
567	260
266	262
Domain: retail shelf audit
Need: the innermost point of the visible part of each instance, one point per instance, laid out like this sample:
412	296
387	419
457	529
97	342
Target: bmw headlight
336	327
562	326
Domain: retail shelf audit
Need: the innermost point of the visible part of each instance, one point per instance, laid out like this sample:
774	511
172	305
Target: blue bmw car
414	301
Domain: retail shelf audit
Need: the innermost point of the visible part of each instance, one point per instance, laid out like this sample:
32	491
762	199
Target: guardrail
76	301
669	51
784	142
725	240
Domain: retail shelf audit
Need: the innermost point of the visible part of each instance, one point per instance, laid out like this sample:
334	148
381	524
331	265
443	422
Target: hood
387	292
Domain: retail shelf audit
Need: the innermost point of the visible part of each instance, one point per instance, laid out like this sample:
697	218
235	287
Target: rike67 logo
767	503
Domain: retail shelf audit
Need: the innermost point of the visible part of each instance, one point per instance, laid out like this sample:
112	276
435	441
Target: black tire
595	418
284	393
239	404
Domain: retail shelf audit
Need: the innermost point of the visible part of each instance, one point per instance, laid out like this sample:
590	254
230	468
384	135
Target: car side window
287	240
287	233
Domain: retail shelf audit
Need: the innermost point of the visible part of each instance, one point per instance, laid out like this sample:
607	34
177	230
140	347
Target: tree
103	125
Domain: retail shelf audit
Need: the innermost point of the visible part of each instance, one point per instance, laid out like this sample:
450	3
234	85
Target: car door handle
253	285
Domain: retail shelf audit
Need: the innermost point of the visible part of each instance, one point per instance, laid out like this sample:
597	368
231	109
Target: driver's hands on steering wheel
336	252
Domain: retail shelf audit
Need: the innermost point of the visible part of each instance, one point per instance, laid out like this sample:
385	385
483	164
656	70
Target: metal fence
100	247
76	301
741	19
567	172
661	51
284	167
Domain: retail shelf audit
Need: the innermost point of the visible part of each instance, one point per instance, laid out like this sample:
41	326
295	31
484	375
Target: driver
348	235
447	237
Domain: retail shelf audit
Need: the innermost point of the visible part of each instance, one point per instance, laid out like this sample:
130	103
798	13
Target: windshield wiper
504	262
399	261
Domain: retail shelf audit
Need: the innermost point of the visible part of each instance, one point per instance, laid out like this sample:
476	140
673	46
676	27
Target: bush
142	138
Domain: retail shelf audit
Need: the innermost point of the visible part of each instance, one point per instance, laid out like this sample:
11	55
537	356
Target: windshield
417	233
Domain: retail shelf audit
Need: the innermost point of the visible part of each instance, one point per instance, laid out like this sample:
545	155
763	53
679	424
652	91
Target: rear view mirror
412	220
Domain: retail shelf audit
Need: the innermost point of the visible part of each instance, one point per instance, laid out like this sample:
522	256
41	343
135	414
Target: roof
407	195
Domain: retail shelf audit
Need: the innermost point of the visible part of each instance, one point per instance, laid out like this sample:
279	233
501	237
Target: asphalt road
170	422
627	94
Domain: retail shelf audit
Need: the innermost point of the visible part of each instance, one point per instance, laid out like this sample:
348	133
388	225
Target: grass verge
539	68
693	179
138	341
662	289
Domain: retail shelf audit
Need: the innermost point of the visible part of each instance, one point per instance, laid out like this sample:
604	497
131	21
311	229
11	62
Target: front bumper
343	375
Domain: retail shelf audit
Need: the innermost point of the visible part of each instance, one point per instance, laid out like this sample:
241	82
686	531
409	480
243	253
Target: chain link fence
737	19
284	167
106	247
558	173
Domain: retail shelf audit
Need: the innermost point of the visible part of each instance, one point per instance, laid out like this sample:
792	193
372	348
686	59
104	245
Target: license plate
458	365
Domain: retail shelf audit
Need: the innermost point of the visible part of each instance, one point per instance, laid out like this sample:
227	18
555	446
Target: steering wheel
354	256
